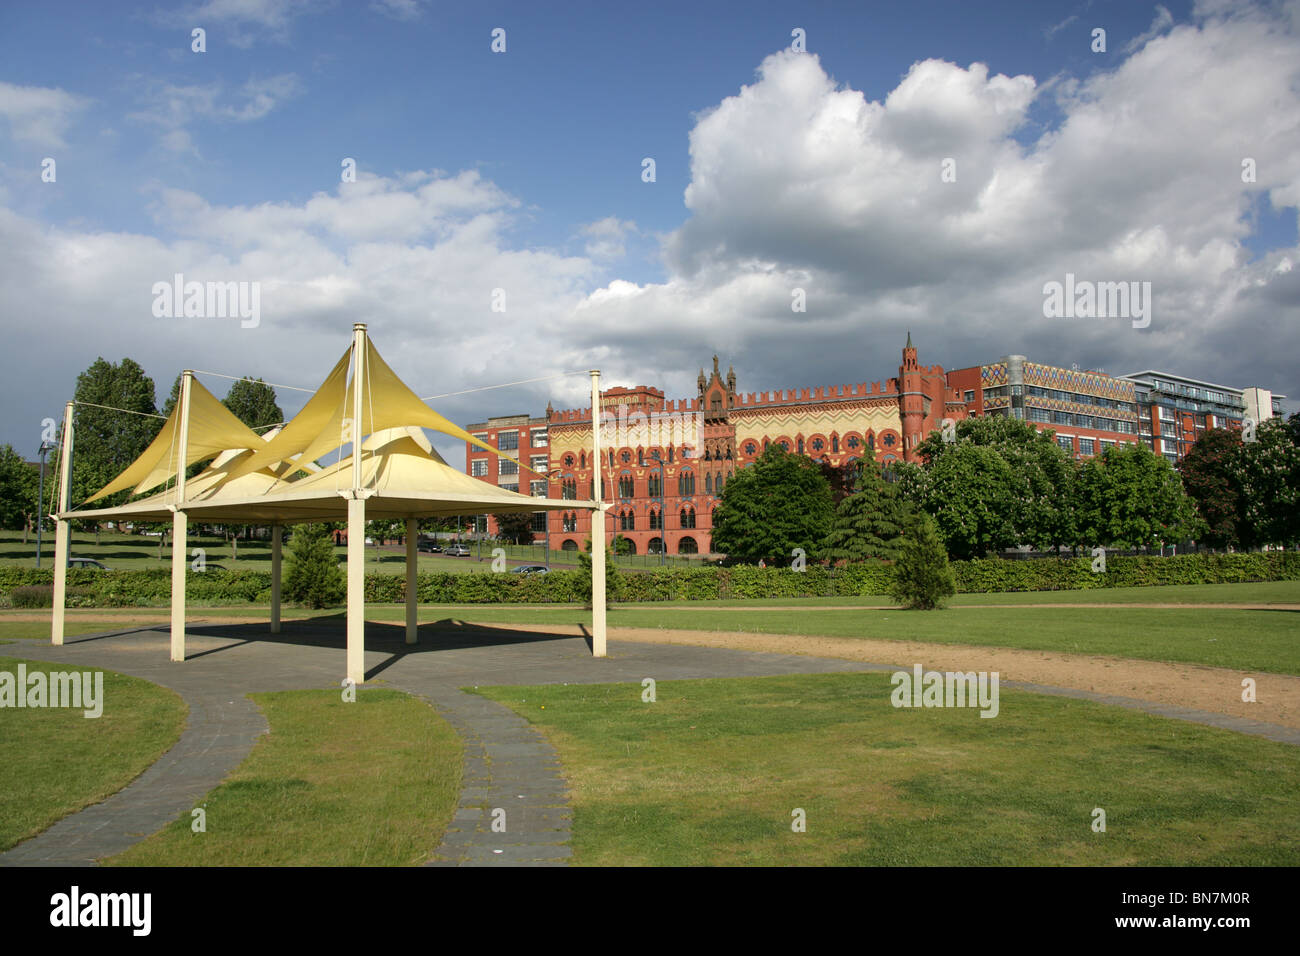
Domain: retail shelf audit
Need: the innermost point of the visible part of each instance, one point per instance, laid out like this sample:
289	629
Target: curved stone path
513	808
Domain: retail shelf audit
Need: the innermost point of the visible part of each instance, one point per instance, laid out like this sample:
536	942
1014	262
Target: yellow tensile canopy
252	478
213	429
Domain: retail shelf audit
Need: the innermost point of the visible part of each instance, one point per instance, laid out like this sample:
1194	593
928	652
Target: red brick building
668	461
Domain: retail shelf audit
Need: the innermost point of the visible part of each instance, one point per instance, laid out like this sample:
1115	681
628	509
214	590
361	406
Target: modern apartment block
1089	410
1174	410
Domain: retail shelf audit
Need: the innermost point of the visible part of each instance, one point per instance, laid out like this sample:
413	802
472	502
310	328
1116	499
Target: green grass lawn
57	761
1259	640
711	773
370	783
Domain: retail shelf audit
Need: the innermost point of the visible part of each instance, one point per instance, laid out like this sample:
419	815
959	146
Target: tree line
1000	483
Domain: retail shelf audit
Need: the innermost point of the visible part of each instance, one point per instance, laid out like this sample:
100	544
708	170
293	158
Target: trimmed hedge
153	587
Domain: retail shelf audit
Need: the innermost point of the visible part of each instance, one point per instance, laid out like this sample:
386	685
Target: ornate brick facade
694	446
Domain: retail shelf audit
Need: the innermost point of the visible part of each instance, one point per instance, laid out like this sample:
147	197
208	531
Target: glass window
508	441
1066	442
538	462
537	489
478	467
507	467
539	521
537	437
969	395
1085	446
512	487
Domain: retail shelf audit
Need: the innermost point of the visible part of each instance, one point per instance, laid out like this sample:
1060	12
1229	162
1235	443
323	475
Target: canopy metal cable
485	388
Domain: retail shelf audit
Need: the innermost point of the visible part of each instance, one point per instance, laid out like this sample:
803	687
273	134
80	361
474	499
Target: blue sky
226	165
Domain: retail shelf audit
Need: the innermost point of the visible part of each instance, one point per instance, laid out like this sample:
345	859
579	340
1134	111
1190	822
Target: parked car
87	563
458	551
431	547
530	569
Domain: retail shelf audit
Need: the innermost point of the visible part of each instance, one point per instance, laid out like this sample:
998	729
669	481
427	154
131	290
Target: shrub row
153	587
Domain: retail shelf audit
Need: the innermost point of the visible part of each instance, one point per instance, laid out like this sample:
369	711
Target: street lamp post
40	498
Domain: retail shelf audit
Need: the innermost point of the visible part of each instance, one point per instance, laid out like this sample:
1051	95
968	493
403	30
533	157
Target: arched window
656	485
708	484
686	484
656	522
627	521
687	546
751	449
570	522
625	486
569	545
688	517
835	444
801	446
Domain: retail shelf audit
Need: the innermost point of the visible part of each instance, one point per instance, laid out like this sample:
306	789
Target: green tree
869	523
973	496
515	527
18	490
1211	472
1040	508
922	577
312	576
172	398
1131	497
1270	484
104	441
613	579
253	403
780	502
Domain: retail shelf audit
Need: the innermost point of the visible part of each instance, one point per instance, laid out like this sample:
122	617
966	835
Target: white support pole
357	590
356	615
597	528
62	529
179	524
276	539
412	585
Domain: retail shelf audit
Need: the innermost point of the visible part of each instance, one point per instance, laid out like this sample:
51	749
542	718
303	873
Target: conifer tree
869	523
922	577
313	577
